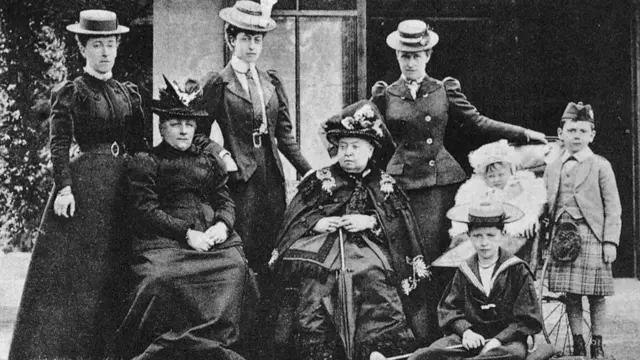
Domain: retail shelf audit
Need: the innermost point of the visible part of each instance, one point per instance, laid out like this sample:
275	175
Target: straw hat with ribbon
412	36
98	23
485	213
249	15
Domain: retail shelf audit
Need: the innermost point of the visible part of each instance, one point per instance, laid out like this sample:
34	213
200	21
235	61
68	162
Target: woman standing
416	109
74	291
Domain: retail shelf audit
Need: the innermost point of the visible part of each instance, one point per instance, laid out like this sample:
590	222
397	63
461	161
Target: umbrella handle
343	264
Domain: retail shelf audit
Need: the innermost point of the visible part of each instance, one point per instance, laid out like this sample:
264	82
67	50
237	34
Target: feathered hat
499	151
249	15
178	103
485	212
362	120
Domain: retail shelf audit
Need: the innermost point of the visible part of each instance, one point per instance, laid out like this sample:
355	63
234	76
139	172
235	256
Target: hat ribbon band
419	40
486	220
249	12
99	25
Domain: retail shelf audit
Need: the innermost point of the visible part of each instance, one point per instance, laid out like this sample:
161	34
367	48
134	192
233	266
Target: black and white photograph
319	179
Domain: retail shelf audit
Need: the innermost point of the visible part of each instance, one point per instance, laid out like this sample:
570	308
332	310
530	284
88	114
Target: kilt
588	274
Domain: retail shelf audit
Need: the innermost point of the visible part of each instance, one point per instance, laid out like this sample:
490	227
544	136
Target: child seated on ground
490	307
495	178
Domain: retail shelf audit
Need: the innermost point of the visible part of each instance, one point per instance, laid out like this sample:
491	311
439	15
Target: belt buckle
115	149
257	139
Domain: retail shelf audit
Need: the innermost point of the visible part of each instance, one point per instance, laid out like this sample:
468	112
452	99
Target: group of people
184	250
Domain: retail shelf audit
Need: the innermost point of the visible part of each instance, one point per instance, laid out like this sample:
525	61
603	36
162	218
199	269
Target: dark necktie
255	100
569	164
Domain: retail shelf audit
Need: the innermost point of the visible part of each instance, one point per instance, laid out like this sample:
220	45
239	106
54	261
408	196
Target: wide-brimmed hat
485	212
499	151
412	36
98	22
184	103
362	120
249	15
578	112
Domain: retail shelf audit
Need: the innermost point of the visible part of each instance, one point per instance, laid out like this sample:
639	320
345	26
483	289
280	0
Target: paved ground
622	341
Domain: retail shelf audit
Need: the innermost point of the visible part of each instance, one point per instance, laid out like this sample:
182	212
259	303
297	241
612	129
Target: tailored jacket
230	105
171	191
418	126
596	193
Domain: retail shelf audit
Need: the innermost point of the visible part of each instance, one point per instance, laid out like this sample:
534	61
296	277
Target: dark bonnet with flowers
362	120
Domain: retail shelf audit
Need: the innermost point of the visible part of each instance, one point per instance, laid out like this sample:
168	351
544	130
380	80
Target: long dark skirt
74	293
430	206
260	205
188	304
379	318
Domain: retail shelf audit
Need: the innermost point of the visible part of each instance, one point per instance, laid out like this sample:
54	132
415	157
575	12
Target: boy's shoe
579	347
597	352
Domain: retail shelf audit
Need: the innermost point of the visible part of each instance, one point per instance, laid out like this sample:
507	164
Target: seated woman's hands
351	223
198	240
328	224
490	345
217	234
357	222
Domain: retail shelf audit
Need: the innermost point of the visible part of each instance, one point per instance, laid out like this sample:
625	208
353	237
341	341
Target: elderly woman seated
193	282
349	243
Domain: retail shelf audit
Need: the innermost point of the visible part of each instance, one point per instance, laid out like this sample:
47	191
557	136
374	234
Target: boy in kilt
582	192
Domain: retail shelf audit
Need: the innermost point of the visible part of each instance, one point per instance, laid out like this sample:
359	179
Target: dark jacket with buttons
172	191
230	105
418	127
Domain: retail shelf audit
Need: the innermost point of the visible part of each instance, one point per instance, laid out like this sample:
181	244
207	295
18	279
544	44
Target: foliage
36	53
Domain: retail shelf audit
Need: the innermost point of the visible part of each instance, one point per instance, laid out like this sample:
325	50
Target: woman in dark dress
193	283
77	276
381	248
416	110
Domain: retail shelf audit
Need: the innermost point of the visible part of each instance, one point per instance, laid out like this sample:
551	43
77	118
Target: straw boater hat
485	212
98	22
362	120
249	15
177	103
578	112
413	36
499	151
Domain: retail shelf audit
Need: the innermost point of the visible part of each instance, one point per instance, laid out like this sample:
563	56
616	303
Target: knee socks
597	307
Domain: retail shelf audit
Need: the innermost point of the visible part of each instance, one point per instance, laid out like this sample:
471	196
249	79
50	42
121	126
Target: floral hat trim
183	103
363	123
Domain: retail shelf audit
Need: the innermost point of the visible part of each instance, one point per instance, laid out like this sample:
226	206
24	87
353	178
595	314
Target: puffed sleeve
136	139
378	96
140	177
463	111
61	131
286	141
219	196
